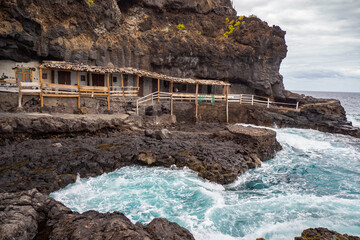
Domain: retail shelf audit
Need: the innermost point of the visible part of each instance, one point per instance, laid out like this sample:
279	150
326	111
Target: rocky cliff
143	34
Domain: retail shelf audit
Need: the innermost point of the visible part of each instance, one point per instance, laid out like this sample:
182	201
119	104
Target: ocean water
313	182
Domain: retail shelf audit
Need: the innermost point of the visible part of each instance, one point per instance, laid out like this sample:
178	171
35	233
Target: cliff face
143	34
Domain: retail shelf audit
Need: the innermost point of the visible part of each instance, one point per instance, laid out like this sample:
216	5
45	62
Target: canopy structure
79	67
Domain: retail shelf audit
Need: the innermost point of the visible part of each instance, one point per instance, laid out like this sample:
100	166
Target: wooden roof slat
79	67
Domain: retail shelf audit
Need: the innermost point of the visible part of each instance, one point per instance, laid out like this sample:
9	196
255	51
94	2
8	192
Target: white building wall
83	83
6	68
48	76
118	78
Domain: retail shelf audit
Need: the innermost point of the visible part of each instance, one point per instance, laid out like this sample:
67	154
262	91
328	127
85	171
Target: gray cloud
323	39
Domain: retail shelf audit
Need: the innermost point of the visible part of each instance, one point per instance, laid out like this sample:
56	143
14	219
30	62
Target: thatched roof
79	67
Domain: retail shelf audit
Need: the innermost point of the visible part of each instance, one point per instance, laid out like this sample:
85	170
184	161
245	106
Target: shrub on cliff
232	26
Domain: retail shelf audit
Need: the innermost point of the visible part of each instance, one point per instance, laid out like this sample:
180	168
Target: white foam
275	201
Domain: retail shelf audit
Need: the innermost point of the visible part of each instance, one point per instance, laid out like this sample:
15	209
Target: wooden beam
41	87
158	89
108	85
78	85
171	97
196	101
20	93
227	104
122	85
138	83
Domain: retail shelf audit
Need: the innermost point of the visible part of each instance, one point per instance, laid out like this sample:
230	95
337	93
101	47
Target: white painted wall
118	76
6	67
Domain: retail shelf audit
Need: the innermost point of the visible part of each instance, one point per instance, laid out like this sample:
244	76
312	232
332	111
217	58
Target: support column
171	96
78	85
122	85
108	85
138	84
158	89
227	104
18	81
196	101
41	87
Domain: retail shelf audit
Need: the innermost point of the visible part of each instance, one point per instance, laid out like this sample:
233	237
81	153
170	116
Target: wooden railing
8	86
232	98
124	91
259	100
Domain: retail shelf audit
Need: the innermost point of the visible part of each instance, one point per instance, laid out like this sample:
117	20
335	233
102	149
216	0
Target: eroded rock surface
31	214
324	234
216	153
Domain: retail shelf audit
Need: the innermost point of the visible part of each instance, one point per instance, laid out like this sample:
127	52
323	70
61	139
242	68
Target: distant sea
313	182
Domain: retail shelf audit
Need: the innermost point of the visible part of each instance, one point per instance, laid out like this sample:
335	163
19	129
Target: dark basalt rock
324	234
326	115
217	154
33	215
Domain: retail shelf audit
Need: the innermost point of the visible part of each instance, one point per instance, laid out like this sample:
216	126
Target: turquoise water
313	182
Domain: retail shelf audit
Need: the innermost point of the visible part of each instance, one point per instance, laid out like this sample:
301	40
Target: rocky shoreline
218	153
41	153
33	215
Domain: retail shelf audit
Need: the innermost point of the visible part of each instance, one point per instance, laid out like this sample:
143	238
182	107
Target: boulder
32	215
324	234
163	134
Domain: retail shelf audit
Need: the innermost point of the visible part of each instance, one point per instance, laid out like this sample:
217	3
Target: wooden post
78	85
297	105
158	89
138	84
122	85
241	98
171	96
41	87
227	104
19	86
268	103
196	101
108	85
252	99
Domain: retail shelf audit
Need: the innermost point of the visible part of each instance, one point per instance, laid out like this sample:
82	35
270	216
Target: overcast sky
323	38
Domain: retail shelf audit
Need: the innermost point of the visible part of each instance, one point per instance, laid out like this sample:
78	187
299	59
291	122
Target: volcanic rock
143	34
324	234
33	215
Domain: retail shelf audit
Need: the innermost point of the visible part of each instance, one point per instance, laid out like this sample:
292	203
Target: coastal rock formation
143	34
324	115
32	215
217	154
324	234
